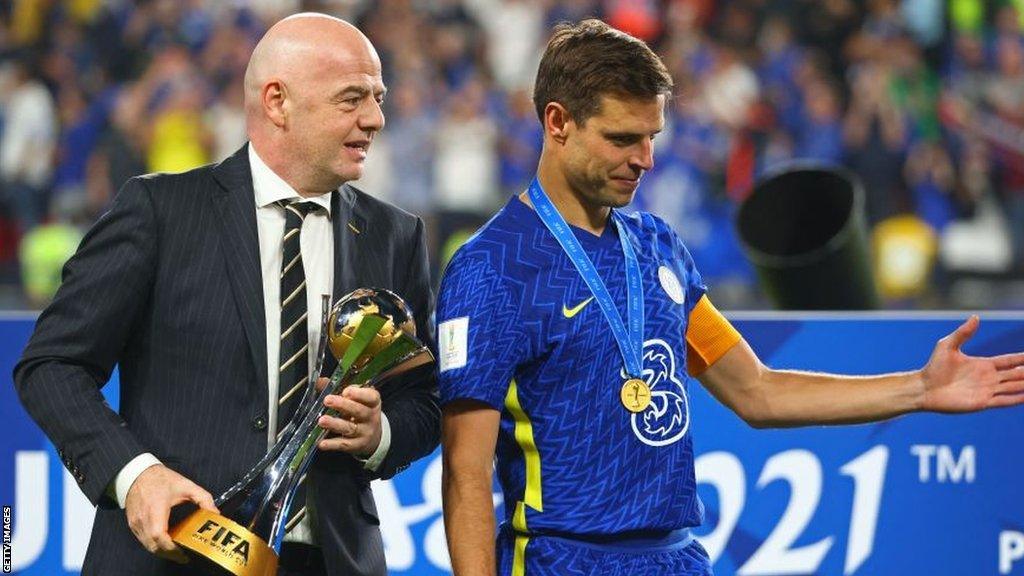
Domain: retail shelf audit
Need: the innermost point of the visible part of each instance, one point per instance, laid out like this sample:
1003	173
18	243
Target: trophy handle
321	353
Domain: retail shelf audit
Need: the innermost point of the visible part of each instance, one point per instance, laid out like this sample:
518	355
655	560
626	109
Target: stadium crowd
922	99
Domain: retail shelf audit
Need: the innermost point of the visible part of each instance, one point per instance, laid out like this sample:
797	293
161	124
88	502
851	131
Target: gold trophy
372	333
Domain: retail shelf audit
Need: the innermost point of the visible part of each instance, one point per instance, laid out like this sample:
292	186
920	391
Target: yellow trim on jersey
519	555
708	336
519	516
524	438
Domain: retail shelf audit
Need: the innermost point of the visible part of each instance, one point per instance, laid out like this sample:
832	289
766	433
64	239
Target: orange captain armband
708	336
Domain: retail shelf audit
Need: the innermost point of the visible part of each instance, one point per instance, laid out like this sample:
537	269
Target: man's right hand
148	507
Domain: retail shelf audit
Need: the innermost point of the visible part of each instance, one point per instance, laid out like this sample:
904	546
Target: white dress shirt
317	249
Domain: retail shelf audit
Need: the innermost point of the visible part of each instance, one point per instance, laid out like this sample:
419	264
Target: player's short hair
590	59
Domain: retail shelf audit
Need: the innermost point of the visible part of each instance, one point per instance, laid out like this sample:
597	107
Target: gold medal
635	395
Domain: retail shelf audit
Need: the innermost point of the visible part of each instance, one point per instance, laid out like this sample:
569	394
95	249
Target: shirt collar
271	188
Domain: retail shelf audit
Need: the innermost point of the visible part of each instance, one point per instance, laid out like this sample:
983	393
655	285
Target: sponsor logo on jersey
570	312
667	419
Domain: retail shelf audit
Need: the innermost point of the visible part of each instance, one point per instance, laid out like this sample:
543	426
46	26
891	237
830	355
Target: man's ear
557	122
275	102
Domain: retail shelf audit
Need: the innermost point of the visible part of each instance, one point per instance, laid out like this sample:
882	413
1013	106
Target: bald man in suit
180	285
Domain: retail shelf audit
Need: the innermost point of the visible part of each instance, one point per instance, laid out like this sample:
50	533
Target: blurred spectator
178	140
28	142
731	88
827	26
1008	21
225	120
781	61
82	127
914	88
466	162
119	153
513	58
967	74
730	91
1005	96
967	16
26	22
924	20
923	99
875	130
520	142
456	43
44	250
640	18
411	126
931	178
882	22
820	133
1004	89
378	171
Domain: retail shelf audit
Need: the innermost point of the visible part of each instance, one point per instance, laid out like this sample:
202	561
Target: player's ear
557	121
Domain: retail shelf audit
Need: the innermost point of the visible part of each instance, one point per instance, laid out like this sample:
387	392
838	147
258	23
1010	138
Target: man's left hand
356	428
956	382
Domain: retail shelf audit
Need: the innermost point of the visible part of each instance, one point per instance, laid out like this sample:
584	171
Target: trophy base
221	545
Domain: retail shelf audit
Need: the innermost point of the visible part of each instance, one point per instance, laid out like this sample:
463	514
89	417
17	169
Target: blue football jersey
519	330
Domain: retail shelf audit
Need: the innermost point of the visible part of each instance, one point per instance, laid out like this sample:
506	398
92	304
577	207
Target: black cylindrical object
804	231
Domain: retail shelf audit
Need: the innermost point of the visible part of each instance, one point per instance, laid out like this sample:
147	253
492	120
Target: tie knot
297	209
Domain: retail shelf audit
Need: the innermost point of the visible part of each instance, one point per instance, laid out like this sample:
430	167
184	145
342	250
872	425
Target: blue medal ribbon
630	341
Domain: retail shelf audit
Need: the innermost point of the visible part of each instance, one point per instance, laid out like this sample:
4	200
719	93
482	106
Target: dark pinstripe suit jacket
167	286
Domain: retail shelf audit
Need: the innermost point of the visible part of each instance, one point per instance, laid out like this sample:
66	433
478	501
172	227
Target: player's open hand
956	382
356	429
148	506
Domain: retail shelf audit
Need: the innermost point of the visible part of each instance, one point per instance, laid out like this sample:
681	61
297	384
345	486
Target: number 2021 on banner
724	472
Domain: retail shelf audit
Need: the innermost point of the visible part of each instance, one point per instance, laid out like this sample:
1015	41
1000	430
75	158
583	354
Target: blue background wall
923	494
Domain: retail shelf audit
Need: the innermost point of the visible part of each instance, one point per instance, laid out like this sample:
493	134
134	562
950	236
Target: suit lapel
236	206
348	227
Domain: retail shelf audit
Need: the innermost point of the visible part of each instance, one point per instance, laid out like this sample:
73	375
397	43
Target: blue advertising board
921	494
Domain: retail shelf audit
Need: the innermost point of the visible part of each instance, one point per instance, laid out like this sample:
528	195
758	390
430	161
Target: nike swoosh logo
570	312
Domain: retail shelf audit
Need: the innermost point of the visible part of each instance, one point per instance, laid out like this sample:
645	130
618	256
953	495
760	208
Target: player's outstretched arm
469	433
951	382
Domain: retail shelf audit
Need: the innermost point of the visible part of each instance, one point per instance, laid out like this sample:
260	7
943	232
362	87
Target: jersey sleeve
479	336
695	287
709	335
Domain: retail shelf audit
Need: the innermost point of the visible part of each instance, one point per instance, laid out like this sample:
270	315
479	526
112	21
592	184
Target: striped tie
294	359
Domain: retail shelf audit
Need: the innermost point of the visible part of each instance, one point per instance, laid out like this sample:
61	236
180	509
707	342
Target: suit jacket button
259	422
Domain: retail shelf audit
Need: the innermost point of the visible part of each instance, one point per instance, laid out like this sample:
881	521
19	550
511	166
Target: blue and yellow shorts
674	553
